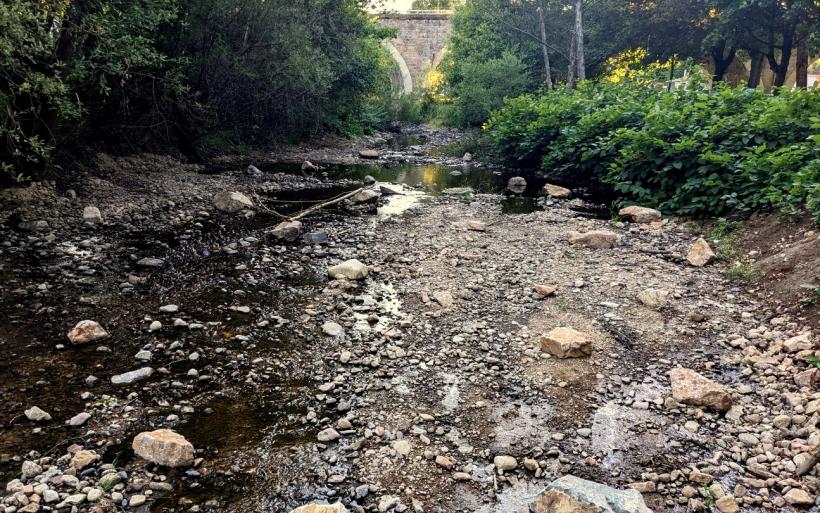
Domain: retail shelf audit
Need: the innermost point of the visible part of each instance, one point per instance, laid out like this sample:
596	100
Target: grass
726	244
563	304
811	297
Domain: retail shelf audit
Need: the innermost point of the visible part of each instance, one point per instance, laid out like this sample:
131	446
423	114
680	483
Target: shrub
694	151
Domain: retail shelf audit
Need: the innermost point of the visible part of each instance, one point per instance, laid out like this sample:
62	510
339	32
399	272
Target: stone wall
420	44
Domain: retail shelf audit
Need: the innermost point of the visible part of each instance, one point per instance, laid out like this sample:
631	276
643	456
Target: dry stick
327	203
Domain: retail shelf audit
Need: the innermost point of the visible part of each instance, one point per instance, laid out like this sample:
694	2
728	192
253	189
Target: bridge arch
419	46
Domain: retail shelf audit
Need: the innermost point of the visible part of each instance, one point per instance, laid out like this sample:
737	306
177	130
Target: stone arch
438	58
404	71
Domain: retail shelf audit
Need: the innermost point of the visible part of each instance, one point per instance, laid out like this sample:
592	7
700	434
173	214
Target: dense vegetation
619	35
691	151
182	73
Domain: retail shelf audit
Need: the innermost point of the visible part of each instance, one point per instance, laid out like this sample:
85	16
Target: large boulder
556	191
350	269
638	214
231	201
164	447
566	342
321	508
700	253
689	387
517	184
287	230
92	215
596	239
570	494
86	332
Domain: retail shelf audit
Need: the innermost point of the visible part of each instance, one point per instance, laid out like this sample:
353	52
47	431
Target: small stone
231	202
328	435
654	298
369	154
333	329
37	415
321	508
86	332
565	342
556	191
476	226
82	459
689	387
164	447
169	308
127	378
30	469
350	269
155	326
727	504
365	195
641	215
544	290
136	500
444	461
700	253
92	215
79	419
505	463
798	497
287	230
596	239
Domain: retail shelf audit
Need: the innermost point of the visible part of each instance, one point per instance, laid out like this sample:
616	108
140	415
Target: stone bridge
419	46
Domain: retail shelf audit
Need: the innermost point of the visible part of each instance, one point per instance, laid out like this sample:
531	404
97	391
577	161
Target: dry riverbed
434	383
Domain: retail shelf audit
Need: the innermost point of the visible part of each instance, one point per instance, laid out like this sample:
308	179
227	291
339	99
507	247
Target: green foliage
693	151
485	85
143	73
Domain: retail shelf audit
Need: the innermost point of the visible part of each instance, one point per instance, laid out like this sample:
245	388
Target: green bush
692	151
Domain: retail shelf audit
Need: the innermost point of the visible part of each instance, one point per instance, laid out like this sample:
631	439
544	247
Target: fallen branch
308	211
327	203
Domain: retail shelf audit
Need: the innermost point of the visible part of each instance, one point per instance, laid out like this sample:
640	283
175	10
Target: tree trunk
802	67
722	60
756	70
579	40
547	72
572	61
781	68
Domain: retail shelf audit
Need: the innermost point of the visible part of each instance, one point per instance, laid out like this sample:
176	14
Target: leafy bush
692	151
484	86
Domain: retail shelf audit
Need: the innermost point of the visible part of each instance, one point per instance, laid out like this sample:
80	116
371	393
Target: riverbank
426	371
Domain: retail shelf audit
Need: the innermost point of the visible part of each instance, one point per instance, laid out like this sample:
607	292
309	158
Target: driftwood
307	211
327	203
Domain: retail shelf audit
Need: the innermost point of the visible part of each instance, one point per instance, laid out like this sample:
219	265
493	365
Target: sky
399	5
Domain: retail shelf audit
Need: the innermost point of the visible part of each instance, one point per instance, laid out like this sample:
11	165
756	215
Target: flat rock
641	215
700	253
596	239
231	202
544	290
164	447
369	154
86	332
328	435
556	191
150	262
287	230
476	226
126	378
689	387
565	342
570	494
350	269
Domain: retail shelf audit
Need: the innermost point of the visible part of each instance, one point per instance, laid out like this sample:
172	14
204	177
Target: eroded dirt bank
397	392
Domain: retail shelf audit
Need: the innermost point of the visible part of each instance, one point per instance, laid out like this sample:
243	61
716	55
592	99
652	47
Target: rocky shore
167	349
